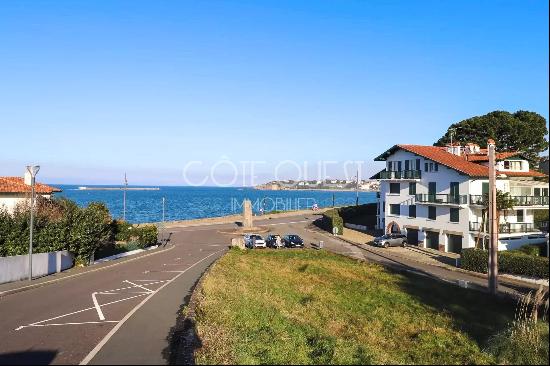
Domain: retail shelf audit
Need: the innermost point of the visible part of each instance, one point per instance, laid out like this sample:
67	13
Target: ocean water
183	203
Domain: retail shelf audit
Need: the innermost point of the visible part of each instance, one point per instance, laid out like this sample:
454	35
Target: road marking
136	285
97	307
58	324
104	341
79	311
41	284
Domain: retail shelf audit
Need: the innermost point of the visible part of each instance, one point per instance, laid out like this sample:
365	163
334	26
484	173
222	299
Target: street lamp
33	170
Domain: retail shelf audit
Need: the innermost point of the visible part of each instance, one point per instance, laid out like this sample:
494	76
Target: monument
247	214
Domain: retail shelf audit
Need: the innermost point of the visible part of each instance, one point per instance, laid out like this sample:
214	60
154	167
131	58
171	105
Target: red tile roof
482	156
460	163
17	185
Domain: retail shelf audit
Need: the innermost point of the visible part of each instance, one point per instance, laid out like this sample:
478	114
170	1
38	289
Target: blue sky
92	89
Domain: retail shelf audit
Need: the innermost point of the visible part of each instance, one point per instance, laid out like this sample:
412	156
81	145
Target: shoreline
313	190
229	219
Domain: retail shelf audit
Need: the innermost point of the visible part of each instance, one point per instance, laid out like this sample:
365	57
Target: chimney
28	178
454	149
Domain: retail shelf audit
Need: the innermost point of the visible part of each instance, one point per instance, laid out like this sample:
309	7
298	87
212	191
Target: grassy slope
309	306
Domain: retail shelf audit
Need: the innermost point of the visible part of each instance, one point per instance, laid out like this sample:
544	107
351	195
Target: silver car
391	240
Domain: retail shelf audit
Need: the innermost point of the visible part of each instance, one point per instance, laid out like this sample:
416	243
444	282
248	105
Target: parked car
293	241
254	241
391	240
274	241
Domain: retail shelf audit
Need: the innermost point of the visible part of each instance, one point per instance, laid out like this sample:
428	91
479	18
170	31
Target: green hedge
331	219
60	224
511	262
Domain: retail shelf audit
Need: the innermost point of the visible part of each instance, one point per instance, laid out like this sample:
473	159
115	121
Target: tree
504	202
521	131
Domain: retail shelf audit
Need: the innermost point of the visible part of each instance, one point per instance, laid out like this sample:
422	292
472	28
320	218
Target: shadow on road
28	358
183	339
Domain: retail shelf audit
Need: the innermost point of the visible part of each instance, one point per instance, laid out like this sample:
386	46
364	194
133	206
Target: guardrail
481	200
442	198
507	228
404	174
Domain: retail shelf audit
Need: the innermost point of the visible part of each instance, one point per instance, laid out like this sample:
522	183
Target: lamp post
33	170
124	198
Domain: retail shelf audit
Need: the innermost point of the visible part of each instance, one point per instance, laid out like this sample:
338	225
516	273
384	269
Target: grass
313	307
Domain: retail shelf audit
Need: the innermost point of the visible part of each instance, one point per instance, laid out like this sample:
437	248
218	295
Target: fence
16	268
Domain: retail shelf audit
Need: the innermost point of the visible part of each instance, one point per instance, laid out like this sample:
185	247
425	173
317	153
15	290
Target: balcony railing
507	228
481	200
404	174
442	198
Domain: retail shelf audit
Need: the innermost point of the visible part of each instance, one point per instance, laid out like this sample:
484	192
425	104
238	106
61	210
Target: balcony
404	174
507	228
445	199
481	200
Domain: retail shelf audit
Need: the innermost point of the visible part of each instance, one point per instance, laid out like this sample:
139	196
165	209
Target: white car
254	241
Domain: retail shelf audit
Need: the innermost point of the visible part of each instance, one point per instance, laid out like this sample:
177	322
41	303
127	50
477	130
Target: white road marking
40	284
97	307
141	287
100	345
79	311
58	324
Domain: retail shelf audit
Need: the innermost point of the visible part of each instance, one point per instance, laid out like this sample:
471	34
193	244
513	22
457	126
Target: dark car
293	241
274	241
391	240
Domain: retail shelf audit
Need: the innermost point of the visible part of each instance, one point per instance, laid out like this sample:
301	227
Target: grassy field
313	307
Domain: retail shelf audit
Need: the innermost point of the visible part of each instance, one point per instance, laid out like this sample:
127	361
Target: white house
435	195
16	190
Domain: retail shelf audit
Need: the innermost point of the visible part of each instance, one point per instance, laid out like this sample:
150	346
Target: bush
533	250
331	219
147	235
59	225
508	262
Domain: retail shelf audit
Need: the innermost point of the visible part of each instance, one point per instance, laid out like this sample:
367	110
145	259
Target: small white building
16	190
435	195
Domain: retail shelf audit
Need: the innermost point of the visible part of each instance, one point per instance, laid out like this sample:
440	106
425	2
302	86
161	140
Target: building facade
437	196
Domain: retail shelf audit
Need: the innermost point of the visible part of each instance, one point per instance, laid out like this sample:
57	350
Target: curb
45	283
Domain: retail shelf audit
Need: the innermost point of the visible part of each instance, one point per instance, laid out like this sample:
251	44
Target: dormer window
512	165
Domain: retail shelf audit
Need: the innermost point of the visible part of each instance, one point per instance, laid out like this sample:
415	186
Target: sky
172	92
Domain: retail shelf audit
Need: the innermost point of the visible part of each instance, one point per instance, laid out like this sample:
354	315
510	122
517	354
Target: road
128	309
127	313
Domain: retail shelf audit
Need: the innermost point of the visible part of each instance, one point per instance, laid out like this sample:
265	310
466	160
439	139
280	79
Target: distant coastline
83	188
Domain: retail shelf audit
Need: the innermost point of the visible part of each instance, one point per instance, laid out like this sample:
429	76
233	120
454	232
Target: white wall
16	267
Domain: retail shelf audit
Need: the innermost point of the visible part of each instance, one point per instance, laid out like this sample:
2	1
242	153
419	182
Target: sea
185	203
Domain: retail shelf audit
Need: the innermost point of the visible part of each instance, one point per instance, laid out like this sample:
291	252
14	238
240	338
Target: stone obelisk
247	214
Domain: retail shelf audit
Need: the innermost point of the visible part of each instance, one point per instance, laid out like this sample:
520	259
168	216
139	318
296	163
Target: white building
16	190
435	196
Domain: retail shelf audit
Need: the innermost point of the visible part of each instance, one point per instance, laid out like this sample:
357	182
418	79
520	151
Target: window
512	165
417	164
395	209
412	211
432	212
431	167
454	214
384	206
541	192
520	215
395	188
412	188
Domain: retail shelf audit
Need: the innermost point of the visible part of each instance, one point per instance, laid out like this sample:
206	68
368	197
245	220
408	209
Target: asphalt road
126	314
123	314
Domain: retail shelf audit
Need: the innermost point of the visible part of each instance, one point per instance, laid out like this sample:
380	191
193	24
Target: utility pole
124	198
332	200
493	224
33	170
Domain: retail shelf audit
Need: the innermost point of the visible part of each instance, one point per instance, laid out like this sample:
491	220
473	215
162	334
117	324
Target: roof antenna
452	132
